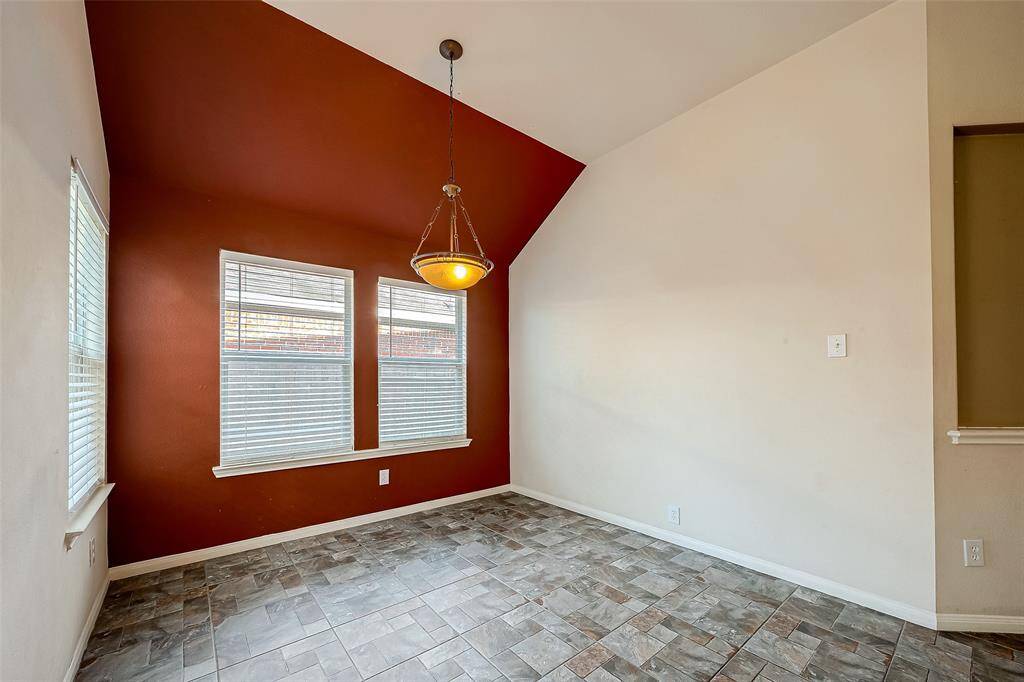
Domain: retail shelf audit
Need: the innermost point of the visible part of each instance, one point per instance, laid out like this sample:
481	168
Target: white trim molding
354	456
86	633
80	520
1009	435
282	263
899	609
205	554
976	622
76	166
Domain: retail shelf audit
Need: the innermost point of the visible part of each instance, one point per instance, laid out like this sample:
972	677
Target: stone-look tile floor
508	588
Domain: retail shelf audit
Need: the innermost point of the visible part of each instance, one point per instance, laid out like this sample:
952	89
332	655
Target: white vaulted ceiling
583	77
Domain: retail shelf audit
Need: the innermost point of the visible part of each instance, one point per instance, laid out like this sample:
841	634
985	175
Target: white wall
49	113
668	321
975	76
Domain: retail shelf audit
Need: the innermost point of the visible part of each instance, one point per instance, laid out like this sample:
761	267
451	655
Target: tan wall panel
989	220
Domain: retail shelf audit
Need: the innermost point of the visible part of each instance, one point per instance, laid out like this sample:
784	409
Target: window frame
462	333
80	193
389	450
282	461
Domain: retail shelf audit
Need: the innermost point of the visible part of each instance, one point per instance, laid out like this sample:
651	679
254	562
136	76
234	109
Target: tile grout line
477	525
416	532
330	625
213	639
605	524
376	555
562	585
777	609
457	634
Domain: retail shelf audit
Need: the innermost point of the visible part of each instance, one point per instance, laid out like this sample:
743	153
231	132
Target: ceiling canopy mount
450	49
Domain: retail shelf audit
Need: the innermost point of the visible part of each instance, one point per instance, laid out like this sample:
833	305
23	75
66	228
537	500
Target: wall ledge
976	622
1012	435
80	520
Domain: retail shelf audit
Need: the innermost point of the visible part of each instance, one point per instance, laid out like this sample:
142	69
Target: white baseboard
207	553
976	622
83	637
884	604
945	621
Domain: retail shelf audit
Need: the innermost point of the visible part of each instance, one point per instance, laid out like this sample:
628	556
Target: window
285	360
421	350
87	343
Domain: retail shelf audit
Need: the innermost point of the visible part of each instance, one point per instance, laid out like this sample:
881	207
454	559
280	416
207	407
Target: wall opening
989	240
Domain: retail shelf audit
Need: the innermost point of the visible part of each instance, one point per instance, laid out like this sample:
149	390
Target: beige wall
49	113
668	322
975	76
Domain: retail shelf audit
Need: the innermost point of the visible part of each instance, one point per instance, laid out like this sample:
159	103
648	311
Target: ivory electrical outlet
837	346
974	552
673	515
385	476
92	551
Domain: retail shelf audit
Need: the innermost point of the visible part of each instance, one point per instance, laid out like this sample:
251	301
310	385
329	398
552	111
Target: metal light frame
452	193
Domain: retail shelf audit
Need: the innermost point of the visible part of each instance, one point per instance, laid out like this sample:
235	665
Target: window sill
79	523
354	456
996	436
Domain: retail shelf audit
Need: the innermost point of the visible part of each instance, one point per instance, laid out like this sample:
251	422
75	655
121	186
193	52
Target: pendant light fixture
452	269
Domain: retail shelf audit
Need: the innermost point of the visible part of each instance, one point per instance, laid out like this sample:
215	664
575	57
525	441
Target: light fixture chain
469	223
454	225
426	232
451	120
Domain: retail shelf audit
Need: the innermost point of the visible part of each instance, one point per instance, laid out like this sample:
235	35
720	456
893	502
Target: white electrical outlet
673	515
385	476
92	551
974	552
837	346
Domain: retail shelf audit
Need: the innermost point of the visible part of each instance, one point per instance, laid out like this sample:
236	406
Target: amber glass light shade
451	271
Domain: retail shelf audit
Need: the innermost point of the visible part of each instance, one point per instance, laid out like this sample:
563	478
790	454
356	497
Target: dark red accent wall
232	125
240	99
163	424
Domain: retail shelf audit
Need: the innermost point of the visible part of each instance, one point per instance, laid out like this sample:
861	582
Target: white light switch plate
837	346
385	476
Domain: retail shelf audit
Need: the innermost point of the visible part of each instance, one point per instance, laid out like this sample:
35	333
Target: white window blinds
286	360
421	350
87	344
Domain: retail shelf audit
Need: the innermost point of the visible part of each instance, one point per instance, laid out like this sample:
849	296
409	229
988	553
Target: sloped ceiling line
241	100
584	77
